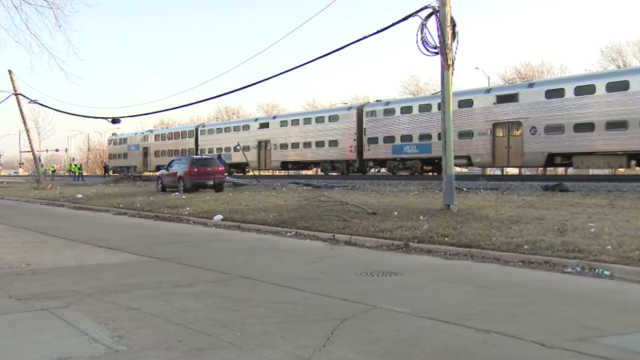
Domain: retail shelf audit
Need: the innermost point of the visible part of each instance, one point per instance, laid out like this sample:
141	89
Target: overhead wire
193	87
403	19
427	43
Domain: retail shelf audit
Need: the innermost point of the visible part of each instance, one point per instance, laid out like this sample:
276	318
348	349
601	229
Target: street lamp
103	133
485	75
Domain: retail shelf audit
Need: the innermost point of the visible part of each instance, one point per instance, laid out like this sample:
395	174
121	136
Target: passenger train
583	121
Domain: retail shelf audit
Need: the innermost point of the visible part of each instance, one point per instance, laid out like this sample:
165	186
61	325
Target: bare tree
36	25
270	108
619	55
415	86
314	104
228	112
42	124
528	71
360	99
165	123
92	155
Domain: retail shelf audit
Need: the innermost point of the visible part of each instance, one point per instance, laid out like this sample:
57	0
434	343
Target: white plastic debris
79	196
395	213
424	228
609	247
526	247
218	218
184	197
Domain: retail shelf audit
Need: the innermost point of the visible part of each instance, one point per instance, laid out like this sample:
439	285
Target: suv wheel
160	186
218	188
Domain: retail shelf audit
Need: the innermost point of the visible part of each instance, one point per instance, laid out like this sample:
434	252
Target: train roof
154	131
293	115
581	79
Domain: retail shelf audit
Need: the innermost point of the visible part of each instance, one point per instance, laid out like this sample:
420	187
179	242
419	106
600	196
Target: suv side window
169	165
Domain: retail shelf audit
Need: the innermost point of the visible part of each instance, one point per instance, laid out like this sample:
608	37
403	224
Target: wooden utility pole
446	54
40	179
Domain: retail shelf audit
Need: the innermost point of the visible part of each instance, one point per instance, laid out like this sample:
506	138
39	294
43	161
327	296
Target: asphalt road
77	285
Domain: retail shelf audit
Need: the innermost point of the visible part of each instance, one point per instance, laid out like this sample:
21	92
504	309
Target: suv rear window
205	162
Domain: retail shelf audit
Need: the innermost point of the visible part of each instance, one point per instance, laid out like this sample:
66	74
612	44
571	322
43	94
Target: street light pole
485	75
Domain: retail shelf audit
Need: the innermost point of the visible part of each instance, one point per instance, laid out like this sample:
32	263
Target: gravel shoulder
598	225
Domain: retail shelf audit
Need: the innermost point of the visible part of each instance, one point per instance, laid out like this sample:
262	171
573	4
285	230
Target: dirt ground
567	225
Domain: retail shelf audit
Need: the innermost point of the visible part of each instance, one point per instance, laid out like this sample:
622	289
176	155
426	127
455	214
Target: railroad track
408	178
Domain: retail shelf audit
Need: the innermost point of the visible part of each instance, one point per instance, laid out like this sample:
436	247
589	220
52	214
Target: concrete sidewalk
75	284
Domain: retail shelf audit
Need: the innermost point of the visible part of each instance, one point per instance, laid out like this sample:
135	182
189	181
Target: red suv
192	172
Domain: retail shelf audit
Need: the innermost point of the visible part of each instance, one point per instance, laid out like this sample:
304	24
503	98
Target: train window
370	114
465	103
333	143
236	128
306	144
211	131
264	125
516	129
145	138
284	123
295	122
210	150
319	119
156	137
389	112
389	139
295	145
616	125
183	152
555	129
176	152
439	136
125	156
507	98
424	137
554	94
170	136
219	131
219	150
176	135
192	134
372	141
110	156
183	134
163	153
246	127
227	149
156	153
406	110
617	86
465	135
203	132
500	130
120	156
583	90
163	137
584	127
406	138
227	129
246	148
439	106
202	151
306	121
236	149
319	144
423	108
192	151
284	146
334	118
170	153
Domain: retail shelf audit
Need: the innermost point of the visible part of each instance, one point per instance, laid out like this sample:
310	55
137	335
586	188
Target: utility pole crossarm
36	160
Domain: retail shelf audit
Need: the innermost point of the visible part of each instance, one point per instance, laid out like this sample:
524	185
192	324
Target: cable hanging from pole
427	43
403	19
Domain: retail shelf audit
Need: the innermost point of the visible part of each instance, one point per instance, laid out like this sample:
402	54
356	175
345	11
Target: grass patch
573	226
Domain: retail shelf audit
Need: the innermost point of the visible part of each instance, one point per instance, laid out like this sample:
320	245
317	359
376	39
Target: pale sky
138	51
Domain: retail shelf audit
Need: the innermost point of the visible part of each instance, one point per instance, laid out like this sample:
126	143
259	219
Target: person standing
74	171
80	173
52	170
106	170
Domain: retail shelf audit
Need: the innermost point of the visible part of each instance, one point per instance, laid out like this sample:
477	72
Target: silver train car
584	121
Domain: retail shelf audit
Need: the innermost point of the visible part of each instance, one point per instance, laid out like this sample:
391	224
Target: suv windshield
206	162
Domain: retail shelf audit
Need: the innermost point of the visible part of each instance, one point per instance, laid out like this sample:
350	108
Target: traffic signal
57	150
47	151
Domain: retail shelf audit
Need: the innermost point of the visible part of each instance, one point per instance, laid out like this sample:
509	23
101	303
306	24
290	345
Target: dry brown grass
544	224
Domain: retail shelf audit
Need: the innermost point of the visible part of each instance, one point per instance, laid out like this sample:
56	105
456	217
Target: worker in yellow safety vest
74	171
52	170
80	173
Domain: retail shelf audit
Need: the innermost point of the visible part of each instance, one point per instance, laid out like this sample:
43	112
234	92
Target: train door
145	159
507	144
264	154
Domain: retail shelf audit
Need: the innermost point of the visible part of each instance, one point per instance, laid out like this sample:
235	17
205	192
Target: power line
193	87
403	19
